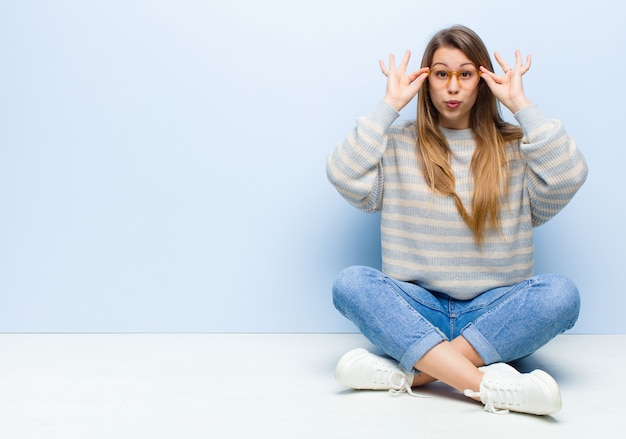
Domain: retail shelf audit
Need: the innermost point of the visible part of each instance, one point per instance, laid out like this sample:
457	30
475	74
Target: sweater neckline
450	134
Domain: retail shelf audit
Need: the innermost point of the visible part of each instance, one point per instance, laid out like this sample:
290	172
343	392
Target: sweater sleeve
354	167
555	168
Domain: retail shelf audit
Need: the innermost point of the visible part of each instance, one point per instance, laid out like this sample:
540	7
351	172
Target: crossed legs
461	360
414	326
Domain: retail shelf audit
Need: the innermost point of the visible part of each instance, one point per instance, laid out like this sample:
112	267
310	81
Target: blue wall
162	162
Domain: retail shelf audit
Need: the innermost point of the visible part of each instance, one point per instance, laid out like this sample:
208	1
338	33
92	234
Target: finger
491	77
383	68
518	62
503	64
488	77
518	59
416	74
392	62
421	78
526	67
485	70
405	61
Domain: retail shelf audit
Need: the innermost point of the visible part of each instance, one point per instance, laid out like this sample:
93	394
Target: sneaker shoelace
384	374
405	387
488	397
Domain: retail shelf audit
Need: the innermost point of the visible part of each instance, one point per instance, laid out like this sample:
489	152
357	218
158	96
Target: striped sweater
424	239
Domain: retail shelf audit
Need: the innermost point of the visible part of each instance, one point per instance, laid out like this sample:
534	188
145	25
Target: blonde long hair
491	133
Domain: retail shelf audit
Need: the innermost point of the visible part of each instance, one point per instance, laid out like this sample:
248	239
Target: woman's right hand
401	88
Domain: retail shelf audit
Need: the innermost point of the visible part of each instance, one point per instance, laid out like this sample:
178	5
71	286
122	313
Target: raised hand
401	88
508	88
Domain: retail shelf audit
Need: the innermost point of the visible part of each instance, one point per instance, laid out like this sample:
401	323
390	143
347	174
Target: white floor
273	386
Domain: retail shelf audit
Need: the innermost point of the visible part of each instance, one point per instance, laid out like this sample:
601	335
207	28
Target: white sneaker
504	389
360	369
499	367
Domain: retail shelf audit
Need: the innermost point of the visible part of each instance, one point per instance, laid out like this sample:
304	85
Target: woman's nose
453	84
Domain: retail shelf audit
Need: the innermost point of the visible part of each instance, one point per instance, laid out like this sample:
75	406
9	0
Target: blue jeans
504	324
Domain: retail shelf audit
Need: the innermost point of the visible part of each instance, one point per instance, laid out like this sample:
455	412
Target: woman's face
453	84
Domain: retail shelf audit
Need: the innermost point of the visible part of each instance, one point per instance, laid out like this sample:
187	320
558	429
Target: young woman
459	191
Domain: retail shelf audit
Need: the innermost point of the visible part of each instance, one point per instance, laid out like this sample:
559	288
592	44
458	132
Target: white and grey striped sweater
424	239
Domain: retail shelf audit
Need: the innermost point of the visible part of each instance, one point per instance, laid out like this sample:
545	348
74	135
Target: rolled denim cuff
480	344
418	349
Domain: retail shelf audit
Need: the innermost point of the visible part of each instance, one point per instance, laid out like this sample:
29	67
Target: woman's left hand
508	88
